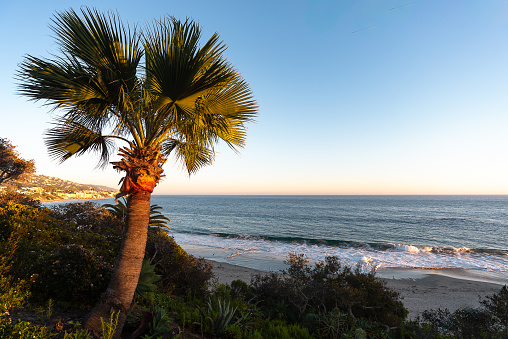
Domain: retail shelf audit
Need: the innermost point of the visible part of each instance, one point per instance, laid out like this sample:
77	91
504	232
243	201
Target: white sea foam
399	256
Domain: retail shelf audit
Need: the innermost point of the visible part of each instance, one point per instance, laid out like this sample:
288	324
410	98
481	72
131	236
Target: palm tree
182	101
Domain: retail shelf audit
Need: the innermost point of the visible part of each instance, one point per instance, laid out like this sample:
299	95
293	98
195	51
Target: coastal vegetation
12	166
158	92
56	262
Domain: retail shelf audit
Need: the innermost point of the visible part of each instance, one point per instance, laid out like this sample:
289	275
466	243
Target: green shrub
78	334
71	273
187	312
420	330
238	332
18	198
240	289
269	329
462	323
22	330
65	260
94	227
490	322
11	294
303	289
181	273
27	235
280	330
497	306
13	216
68	252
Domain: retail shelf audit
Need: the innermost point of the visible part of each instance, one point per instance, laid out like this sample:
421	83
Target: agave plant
159	324
220	315
147	279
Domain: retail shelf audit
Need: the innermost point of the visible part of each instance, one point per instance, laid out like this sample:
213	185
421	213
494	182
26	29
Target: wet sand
420	290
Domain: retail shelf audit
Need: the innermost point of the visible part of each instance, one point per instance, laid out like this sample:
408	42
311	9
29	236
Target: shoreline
269	262
419	290
72	200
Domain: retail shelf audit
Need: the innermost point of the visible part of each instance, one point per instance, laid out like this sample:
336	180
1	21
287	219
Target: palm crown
182	101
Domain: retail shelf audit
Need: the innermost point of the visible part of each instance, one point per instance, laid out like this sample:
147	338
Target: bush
303	290
22	330
18	198
26	236
497	306
490	322
181	273
187	312
11	294
68	252
71	273
463	323
64	260
280	330
94	226
87	215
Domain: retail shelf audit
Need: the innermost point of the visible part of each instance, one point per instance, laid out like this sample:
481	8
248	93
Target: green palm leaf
64	141
157	219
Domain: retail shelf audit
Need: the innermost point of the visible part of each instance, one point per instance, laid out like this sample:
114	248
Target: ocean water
430	232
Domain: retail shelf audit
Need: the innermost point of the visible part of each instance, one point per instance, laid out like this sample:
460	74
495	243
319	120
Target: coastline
419	290
72	200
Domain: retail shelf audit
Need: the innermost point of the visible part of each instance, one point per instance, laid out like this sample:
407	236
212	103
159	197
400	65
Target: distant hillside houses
50	188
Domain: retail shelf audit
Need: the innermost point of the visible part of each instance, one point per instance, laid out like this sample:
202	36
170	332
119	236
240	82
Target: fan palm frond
66	140
157	219
193	155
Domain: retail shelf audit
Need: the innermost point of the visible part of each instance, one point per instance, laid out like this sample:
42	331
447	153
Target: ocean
425	232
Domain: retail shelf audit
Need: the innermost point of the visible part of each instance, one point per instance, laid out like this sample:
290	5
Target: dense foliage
64	254
491	321
18	198
46	248
181	273
303	290
12	166
81	240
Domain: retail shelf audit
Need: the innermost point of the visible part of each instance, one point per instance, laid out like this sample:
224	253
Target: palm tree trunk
120	292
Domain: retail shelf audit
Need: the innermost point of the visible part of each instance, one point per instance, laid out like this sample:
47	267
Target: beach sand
420	290
437	291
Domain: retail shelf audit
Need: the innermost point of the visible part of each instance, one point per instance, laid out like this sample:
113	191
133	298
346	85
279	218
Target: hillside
64	185
51	188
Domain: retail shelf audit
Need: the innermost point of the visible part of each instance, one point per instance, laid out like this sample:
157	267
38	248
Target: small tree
13	167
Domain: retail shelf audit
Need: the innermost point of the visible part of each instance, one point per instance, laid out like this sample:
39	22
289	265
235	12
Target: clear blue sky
355	97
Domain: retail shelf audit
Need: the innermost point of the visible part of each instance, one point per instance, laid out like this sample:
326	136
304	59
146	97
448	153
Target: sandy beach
420	290
437	291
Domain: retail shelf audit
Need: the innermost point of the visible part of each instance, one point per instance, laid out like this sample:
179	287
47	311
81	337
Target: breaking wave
375	254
